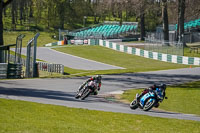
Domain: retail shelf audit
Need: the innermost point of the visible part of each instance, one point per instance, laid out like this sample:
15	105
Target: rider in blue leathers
154	88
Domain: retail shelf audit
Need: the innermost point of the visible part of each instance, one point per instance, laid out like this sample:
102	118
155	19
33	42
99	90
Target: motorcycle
149	100
86	90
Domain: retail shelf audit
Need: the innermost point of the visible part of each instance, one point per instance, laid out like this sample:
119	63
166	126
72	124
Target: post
28	61
84	20
32	63
59	34
35	70
183	42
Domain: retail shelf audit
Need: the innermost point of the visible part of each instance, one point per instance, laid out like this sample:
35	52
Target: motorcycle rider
152	88
96	79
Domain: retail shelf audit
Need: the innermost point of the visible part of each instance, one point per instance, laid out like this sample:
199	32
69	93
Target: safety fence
43	66
3	70
149	54
56	68
14	71
9	70
167	47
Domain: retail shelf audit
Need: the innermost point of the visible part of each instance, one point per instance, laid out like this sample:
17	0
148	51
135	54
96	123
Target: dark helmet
163	86
98	77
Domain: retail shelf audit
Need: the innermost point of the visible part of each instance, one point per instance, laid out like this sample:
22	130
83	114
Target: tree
142	19
181	13
192	9
142	24
3	4
14	13
165	20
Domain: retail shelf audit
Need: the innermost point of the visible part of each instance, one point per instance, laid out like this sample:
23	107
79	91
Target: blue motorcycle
149	100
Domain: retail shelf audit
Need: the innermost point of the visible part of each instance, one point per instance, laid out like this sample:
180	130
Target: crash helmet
98	77
163	86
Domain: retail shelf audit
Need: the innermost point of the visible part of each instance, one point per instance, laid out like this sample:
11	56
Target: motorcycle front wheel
134	104
77	95
85	93
149	104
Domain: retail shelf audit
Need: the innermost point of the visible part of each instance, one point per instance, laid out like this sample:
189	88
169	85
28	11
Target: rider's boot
95	93
156	105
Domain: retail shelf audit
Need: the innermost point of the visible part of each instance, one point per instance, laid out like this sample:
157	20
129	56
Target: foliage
69	14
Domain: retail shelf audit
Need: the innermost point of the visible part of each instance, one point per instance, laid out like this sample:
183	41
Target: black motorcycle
86	90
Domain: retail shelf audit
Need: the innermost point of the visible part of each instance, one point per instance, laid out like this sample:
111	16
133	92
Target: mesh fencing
173	48
31	66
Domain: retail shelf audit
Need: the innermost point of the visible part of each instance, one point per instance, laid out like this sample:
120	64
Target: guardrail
3	70
8	70
14	71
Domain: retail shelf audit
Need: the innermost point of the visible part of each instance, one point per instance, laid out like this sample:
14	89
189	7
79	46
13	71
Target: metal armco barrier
3	70
14	71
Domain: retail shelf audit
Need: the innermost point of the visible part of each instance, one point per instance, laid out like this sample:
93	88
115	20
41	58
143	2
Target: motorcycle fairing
145	97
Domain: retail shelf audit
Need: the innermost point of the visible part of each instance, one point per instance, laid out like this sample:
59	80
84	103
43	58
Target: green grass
191	54
181	98
28	117
130	62
44	38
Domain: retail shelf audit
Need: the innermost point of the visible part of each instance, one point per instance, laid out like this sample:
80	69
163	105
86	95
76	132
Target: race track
62	91
56	57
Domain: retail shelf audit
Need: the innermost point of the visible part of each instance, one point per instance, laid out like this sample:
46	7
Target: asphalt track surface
53	56
62	91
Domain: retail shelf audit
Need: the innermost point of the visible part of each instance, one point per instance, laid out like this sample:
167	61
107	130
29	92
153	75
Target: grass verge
181	98
28	117
130	62
190	54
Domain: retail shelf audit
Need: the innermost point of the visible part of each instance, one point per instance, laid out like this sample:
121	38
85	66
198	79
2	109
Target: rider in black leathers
96	79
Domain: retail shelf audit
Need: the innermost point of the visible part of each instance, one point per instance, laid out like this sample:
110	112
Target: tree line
73	14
